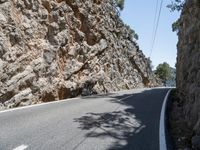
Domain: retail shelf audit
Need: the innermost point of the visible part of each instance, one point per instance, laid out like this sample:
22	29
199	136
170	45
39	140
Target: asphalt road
128	120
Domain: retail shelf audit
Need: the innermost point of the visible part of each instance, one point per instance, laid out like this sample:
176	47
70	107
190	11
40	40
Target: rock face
188	64
56	49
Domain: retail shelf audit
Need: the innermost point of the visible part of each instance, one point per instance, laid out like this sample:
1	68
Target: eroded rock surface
188	64
56	49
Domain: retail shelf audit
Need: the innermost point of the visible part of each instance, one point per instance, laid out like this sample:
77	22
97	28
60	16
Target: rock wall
188	64
56	49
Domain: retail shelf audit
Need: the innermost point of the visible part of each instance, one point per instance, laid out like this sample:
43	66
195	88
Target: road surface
127	120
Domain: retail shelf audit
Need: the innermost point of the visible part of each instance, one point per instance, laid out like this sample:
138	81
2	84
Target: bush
120	4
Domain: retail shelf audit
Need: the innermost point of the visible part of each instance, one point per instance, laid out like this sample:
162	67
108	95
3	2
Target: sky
139	15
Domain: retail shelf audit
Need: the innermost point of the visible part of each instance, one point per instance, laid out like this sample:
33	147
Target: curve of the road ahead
127	120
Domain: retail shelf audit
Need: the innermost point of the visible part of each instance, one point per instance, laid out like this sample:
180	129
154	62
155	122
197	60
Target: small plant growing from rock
120	4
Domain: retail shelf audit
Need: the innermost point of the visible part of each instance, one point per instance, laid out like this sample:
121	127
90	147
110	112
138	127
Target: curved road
128	120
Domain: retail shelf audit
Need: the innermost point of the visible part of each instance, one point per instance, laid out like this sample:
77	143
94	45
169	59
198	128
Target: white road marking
162	136
140	128
117	92
22	147
35	105
54	102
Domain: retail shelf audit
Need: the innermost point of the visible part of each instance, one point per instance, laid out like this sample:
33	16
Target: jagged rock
51	50
188	62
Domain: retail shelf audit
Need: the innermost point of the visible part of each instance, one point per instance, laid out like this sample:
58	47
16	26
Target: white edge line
41	104
22	147
48	103
162	136
58	101
53	102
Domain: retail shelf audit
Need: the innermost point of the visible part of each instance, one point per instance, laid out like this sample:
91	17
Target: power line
154	22
156	27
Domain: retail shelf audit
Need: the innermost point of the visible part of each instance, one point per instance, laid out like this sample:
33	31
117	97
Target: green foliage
163	72
175	26
133	34
176	5
136	36
120	4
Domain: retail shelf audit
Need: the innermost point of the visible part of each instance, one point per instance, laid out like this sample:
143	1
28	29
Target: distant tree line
163	72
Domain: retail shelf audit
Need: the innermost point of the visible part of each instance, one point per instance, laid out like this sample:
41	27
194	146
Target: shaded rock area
188	67
57	49
180	133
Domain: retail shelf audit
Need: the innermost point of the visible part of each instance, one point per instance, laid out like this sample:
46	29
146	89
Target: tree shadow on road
134	125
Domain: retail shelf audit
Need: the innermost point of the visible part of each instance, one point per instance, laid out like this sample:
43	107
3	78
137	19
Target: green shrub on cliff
133	34
176	5
175	26
120	4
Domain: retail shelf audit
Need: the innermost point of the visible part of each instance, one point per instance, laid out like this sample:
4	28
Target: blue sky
139	15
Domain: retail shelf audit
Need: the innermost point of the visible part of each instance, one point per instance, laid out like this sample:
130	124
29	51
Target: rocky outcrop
188	64
56	49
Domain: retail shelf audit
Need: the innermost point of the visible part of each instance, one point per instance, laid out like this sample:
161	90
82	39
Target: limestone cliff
56	49
188	64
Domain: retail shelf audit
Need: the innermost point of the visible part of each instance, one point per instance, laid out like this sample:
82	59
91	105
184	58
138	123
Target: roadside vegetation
177	125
